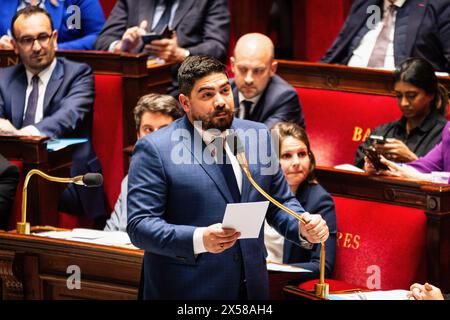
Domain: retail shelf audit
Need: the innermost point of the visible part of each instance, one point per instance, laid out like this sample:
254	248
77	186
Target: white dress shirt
362	53
208	137
44	78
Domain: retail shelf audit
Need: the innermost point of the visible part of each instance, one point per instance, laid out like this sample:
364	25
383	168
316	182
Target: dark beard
210	122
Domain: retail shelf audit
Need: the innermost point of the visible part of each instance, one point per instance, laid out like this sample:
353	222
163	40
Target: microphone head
92	179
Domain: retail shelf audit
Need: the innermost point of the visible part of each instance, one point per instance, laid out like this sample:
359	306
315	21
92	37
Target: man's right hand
131	39
217	239
6	43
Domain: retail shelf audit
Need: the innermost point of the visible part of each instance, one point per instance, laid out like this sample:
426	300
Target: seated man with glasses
49	96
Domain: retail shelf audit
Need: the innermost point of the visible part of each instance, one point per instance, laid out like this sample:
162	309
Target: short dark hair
29	11
420	74
197	67
283	130
156	103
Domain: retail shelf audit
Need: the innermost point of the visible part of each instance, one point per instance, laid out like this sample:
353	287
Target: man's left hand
315	230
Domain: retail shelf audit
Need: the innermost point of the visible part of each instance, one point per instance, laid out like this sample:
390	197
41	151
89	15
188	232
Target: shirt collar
44	75
427	124
25	3
255	99
209	136
397	3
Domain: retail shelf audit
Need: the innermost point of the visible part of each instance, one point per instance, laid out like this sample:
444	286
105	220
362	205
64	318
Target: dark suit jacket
174	187
314	199
9	177
422	29
202	26
67	114
278	103
83	38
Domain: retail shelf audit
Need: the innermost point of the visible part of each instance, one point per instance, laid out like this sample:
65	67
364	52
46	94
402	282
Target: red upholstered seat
379	246
107	137
337	121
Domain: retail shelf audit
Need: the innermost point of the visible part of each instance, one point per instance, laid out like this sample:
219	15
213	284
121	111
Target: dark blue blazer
278	103
174	187
68	102
314	199
92	20
422	29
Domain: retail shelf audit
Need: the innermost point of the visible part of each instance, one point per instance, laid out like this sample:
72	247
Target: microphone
235	145
87	180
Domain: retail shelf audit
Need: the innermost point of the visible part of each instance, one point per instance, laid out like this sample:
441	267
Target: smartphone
377	139
149	37
375	158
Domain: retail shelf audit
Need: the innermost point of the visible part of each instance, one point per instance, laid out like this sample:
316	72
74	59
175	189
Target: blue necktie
165	18
30	113
228	174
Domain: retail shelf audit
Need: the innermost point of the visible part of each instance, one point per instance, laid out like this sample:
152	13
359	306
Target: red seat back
379	246
107	138
337	122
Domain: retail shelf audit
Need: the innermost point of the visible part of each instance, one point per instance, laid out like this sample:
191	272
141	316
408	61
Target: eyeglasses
28	42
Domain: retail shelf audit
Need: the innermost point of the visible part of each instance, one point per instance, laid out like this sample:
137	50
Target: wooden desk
434	199
341	78
34	267
42	195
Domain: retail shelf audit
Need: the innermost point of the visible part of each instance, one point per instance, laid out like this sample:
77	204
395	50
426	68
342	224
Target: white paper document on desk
247	218
110	238
372	295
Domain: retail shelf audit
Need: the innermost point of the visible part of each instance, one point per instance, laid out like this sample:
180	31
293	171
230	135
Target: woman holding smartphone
423	103
297	162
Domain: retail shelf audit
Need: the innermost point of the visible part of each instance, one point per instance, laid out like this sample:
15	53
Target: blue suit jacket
67	114
92	20
168	199
278	103
422	29
315	200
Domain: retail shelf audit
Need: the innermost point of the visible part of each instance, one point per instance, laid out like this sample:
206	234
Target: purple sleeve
432	161
438	159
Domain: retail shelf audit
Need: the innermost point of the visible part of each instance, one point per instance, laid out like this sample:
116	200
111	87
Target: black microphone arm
235	145
87	180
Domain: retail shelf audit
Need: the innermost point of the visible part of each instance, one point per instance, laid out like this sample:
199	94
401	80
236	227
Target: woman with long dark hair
423	103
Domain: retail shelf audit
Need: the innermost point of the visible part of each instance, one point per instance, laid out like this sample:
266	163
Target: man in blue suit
181	180
51	97
78	21
421	28
259	94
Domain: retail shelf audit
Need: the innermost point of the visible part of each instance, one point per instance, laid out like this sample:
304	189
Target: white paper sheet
90	235
372	295
247	218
